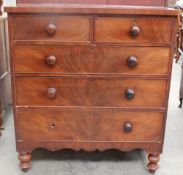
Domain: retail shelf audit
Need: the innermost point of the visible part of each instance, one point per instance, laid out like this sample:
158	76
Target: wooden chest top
90	9
107	2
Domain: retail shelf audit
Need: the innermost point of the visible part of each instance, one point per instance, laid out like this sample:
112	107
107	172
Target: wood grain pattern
68	29
101	92
90	60
116	2
117	30
71	83
88	125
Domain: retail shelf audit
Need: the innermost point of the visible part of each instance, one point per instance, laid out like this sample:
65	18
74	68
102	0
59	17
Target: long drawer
81	125
83	91
133	30
51	28
82	60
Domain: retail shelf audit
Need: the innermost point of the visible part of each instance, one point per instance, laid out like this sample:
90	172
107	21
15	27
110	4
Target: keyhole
52	125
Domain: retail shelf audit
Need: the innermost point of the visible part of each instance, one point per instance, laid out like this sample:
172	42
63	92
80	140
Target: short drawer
81	125
133	30
91	60
51	28
100	92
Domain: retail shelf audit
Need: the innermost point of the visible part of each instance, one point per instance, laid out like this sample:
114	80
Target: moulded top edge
92	9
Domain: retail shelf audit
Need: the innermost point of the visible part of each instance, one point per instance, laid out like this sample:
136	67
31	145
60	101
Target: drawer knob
51	60
134	31
128	127
51	29
130	94
132	61
51	93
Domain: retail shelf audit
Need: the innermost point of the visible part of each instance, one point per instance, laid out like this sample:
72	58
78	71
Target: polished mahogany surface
76	9
66	28
92	77
117	30
81	125
119	60
96	92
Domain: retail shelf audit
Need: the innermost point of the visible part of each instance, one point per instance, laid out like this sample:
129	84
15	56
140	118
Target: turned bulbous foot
153	162
24	159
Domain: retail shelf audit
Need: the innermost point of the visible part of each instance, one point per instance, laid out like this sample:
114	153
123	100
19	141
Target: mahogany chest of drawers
90	77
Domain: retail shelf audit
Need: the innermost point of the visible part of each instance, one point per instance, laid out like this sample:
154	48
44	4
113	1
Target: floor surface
111	162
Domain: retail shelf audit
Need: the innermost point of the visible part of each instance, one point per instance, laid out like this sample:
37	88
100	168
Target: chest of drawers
90	77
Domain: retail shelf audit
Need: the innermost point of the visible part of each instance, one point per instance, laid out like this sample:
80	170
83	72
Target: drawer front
133	30
51	28
82	60
101	92
87	125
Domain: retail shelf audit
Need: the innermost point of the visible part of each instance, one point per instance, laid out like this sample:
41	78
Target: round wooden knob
128	127
51	92
134	31
51	29
51	60
130	93
132	61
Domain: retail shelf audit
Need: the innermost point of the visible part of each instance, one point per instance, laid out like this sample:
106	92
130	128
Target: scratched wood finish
88	125
111	2
90	60
68	29
116	30
102	92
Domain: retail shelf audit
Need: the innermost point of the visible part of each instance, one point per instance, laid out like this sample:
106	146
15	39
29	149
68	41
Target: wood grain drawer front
51	28
82	60
133	30
100	92
84	125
